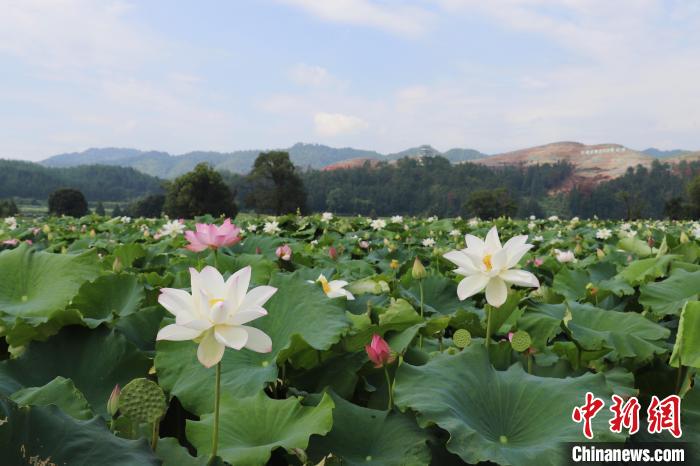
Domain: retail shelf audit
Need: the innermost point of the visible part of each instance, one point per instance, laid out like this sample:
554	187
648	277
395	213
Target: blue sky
384	75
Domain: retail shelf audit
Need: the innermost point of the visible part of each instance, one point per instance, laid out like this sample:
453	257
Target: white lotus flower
488	265
172	228
397	219
215	312
327	216
428	242
378	224
335	288
11	223
603	233
564	256
272	227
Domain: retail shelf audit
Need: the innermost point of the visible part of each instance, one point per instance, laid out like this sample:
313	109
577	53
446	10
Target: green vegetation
67	201
199	192
275	186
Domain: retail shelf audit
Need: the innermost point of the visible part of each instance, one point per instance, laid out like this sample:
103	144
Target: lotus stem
389	389
679	379
420	287
154	437
215	433
488	326
529	363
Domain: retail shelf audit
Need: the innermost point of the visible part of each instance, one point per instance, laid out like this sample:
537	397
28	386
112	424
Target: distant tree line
660	191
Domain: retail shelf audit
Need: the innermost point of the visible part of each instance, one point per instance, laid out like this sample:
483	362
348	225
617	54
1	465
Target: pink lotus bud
364	244
538	262
650	242
11	242
510	336
333	253
113	402
212	236
258	250
29	242
284	252
379	352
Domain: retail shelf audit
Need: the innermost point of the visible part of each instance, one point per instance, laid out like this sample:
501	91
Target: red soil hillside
351	163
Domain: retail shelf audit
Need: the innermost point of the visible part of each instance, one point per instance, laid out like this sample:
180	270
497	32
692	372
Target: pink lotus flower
211	236
538	262
333	253
11	242
379	352
284	252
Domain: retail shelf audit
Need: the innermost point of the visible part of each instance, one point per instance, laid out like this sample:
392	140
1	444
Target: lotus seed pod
142	400
521	341
462	338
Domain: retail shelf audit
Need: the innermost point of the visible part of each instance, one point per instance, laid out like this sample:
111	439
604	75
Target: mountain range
593	163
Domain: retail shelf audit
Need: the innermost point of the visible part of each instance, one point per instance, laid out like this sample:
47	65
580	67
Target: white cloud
336	124
394	17
310	75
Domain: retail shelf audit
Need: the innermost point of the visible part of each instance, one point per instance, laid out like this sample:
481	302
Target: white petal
515	241
196	324
258	340
499	260
174	332
233	337
177	302
474	244
516	252
460	259
237	285
337	284
210	350
496	292
211	281
520	278
492	242
246	315
471	285
218	313
258	296
195	290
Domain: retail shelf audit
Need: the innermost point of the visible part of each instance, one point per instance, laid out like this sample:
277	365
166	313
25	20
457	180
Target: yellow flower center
324	284
487	262
214	301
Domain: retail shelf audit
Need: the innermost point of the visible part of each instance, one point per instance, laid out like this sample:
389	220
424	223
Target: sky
384	75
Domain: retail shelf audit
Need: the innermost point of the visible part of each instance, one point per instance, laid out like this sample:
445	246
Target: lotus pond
321	340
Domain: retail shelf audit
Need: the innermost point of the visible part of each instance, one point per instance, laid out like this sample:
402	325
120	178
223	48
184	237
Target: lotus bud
684	237
258	250
394	264
117	265
418	271
332	253
113	402
600	253
379	352
578	249
284	252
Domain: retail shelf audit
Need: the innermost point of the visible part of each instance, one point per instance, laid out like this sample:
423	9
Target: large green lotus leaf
626	334
645	270
571	284
95	360
108	297
174	454
251	428
302	309
507	417
362	436
47	435
60	392
142	327
243	373
669	296
36	286
262	267
686	350
338	372
439	294
635	246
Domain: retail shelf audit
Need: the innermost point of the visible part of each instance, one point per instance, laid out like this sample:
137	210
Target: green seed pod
521	341
462	338
142	400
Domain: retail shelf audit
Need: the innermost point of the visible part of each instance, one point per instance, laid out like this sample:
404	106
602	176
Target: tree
694	196
100	209
8	208
275	185
117	211
67	201
149	206
199	192
675	209
491	203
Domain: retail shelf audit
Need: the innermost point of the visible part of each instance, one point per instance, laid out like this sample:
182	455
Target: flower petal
461	260
258	296
520	278
233	337
496	292
174	332
471	285
492	242
237	286
474	244
177	302
211	281
210	350
516	252
258	340
218	313
246	315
